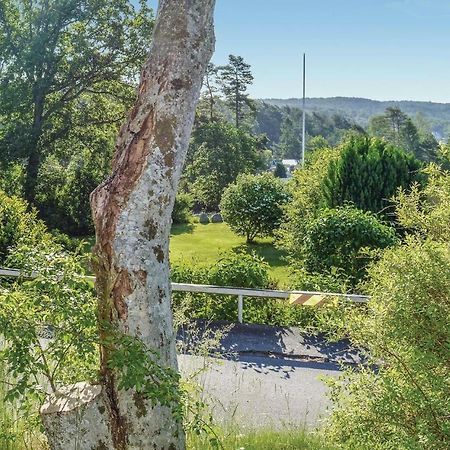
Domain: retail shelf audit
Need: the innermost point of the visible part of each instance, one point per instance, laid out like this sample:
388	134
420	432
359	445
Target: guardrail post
240	307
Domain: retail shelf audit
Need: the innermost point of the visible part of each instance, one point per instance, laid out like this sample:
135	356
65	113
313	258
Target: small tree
280	170
253	205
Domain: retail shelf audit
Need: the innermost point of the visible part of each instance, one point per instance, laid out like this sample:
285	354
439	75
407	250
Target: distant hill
360	110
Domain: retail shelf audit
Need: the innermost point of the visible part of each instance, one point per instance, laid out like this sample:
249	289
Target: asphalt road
267	376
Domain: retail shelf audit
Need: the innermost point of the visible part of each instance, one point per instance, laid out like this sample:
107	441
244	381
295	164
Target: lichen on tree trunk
132	216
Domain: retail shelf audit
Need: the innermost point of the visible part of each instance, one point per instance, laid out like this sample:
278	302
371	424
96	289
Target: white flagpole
304	113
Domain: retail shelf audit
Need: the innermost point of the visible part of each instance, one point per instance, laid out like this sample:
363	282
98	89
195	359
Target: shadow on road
263	347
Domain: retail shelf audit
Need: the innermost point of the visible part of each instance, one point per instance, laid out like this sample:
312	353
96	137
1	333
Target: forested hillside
360	110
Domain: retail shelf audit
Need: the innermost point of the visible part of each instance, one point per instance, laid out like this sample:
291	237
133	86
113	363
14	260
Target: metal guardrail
307	298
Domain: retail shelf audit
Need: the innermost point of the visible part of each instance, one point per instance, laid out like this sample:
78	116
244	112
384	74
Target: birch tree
132	216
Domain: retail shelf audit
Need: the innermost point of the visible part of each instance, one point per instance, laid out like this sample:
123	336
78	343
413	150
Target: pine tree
234	79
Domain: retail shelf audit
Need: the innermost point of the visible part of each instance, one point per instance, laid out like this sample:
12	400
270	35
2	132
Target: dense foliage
58	304
397	128
341	239
239	269
426	211
252	206
182	208
308	199
18	226
437	115
283	127
62	191
368	173
218	153
404	404
56	54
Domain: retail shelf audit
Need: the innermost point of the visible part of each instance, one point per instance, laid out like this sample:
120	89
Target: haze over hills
361	109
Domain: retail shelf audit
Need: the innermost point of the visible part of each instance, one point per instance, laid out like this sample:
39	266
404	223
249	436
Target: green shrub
362	171
333	281
426	211
368	173
182	208
58	303
405	403
236	269
18	225
12	177
253	205
63	191
240	269
337	238
308	200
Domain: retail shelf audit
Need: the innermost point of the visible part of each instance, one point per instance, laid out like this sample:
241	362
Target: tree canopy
234	79
56	55
399	129
218	153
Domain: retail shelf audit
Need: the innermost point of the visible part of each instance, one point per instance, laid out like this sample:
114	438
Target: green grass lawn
203	245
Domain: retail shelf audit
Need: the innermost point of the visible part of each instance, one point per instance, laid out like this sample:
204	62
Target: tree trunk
34	158
132	216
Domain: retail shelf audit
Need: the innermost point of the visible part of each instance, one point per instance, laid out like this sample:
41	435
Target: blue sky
380	49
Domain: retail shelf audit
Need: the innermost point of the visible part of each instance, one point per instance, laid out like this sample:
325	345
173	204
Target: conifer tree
368	173
235	78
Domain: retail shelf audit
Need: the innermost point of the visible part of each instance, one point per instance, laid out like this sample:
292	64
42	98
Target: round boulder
203	218
216	218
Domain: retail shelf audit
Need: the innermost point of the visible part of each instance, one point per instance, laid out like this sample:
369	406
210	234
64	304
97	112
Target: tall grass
8	424
16	431
265	439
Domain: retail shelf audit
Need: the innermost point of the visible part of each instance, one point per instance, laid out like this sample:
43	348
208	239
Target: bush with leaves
182	209
253	205
48	325
18	226
236	269
308	200
50	336
363	171
12	178
405	403
426	210
341	238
